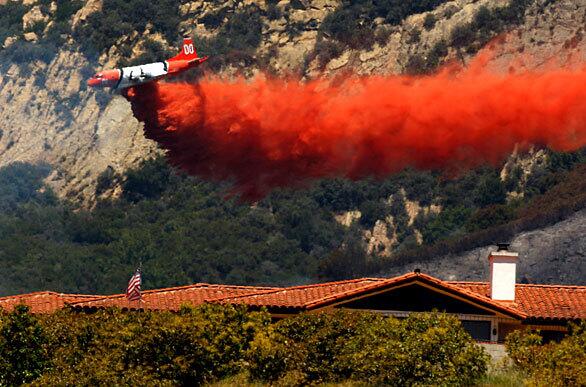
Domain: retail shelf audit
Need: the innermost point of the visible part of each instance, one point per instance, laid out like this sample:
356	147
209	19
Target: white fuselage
135	75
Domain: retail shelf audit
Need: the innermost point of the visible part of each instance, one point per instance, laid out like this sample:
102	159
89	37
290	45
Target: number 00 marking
188	49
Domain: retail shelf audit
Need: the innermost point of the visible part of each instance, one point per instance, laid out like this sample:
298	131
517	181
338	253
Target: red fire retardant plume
264	133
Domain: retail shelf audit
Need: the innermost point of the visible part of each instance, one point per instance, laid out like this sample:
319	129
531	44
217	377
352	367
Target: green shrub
447	222
23	53
424	349
429	21
111	347
490	190
373	210
152	51
273	12
66	9
148	181
348	261
416	65
213	20
236	41
348	26
364	347
23	356
463	35
353	22
554	364
523	347
37	27
414	36
488	23
490	216
201	345
11	14
119	18
327	51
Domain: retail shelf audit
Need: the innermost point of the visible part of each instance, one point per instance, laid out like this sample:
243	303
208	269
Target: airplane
136	75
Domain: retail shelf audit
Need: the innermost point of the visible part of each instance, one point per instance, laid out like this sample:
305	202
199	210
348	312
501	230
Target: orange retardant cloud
264	133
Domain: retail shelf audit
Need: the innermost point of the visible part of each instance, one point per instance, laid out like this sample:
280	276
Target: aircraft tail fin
187	51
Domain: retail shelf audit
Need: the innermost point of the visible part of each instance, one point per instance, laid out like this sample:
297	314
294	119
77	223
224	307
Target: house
487	310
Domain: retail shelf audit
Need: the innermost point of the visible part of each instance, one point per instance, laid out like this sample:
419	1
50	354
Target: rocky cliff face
47	114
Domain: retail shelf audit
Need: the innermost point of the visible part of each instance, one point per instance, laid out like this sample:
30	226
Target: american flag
133	291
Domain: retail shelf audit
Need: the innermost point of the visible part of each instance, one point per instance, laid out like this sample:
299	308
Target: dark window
479	330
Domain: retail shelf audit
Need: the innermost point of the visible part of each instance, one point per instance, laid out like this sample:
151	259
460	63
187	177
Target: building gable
415	297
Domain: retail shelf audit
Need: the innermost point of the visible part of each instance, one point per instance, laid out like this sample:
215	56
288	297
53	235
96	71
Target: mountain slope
112	208
47	114
550	255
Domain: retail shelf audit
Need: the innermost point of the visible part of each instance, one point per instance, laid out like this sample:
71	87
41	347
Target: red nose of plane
93	82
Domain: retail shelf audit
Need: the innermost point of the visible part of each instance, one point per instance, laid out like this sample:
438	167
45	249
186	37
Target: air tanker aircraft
136	75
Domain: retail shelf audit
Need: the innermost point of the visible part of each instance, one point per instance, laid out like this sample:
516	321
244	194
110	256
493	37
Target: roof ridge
222	298
367	286
302	287
197	285
183	287
80	295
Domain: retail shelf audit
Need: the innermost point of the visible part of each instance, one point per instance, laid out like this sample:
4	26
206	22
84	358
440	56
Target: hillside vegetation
185	230
82	221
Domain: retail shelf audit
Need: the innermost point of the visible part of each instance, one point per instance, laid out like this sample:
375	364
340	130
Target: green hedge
212	342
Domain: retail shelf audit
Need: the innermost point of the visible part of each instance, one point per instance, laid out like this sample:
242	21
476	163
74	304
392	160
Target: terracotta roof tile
320	295
532	301
42	302
541	301
301	296
171	298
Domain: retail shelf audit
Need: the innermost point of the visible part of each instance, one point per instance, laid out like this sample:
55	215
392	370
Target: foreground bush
212	343
111	347
554	364
334	347
23	355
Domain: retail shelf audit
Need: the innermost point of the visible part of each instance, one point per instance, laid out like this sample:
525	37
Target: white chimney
503	272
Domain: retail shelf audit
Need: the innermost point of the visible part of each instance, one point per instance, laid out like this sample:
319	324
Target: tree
371	211
490	190
22	353
330	347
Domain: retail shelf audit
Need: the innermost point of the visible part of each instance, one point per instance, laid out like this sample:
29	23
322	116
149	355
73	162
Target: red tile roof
301	296
320	295
540	301
171	298
42	302
532	302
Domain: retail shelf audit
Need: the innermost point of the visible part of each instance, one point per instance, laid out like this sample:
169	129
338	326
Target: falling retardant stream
264	133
